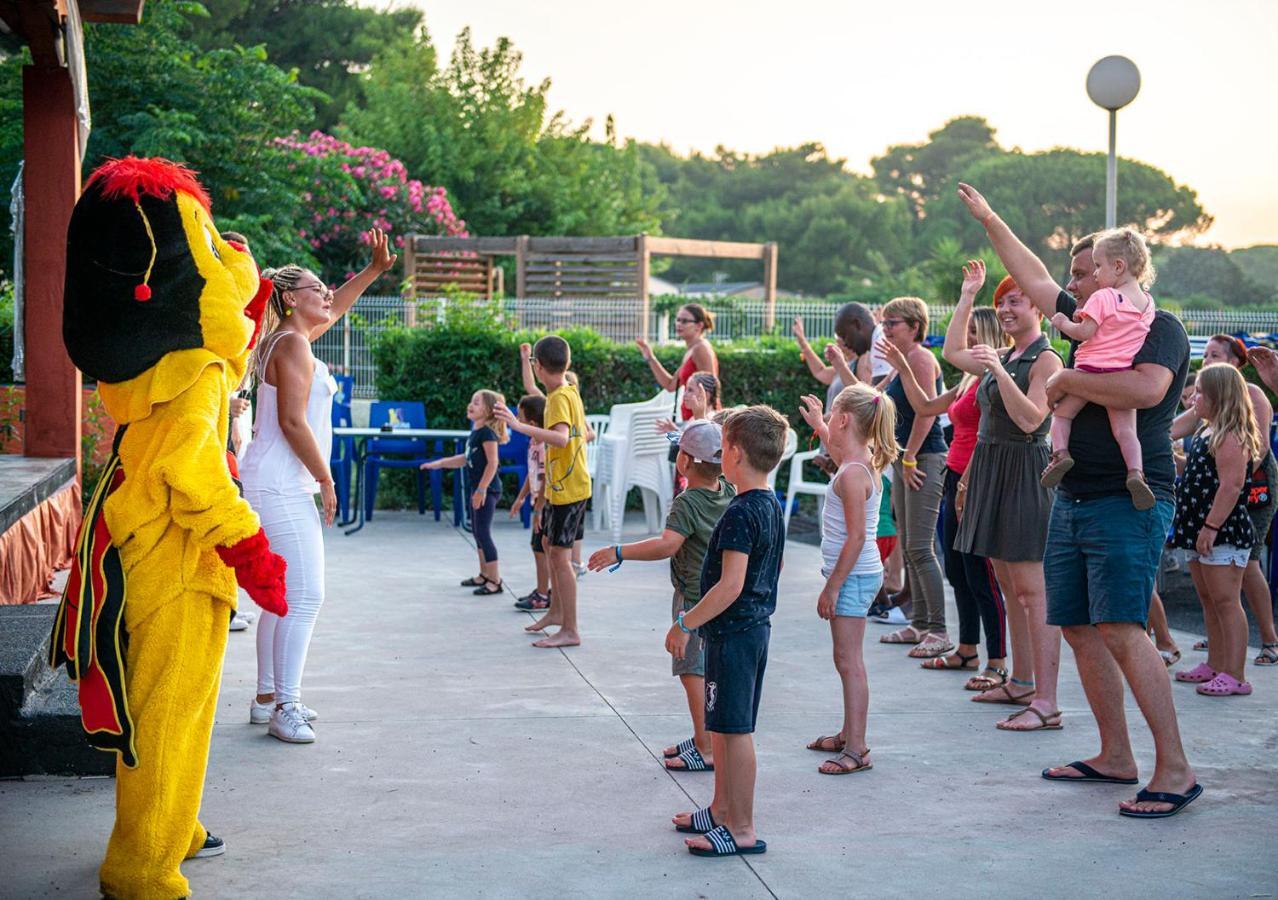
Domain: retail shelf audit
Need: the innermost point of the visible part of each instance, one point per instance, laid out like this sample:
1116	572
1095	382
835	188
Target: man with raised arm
1103	553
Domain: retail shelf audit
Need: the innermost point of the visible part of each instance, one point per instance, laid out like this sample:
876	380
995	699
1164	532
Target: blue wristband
682	627
617	549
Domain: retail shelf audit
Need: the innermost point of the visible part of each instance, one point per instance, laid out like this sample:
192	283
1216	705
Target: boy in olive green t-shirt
689	524
566	485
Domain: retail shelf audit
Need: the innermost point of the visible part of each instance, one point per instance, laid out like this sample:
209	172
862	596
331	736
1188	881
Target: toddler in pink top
1112	326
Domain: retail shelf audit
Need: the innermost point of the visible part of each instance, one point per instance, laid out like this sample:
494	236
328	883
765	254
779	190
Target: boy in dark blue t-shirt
739	594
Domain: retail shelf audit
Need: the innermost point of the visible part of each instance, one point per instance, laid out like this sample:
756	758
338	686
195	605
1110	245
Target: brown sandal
857	758
1044	724
1060	464
1022	699
819	744
1142	497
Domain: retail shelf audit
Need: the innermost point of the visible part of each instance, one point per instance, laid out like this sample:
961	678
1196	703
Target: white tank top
834	528
269	463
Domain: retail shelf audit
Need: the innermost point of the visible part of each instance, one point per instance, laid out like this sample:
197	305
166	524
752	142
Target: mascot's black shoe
213	846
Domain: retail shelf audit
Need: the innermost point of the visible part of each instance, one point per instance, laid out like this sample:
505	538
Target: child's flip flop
722	844
702	821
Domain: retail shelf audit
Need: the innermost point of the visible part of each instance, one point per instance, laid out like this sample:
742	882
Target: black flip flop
1178	802
692	761
475	581
1089	775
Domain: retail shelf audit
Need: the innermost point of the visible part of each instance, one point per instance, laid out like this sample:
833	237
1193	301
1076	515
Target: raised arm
820	371
1026	269
839	362
346	295
526	372
955	351
667	381
920	402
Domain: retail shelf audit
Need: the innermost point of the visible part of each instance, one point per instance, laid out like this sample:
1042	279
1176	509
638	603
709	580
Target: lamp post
1112	83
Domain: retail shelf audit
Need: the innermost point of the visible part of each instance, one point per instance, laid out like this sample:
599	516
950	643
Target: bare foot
561	638
543	623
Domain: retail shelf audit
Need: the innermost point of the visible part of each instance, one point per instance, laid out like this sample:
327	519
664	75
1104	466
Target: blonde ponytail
874	415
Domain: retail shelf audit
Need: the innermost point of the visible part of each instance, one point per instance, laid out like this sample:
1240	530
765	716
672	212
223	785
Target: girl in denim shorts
861	439
1213	525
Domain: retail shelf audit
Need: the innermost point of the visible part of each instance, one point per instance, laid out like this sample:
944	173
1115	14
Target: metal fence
348	348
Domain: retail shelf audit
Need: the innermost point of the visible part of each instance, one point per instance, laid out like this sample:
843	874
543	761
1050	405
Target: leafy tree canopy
328	42
512	165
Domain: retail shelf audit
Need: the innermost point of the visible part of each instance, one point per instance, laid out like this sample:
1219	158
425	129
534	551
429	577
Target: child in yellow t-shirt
567	483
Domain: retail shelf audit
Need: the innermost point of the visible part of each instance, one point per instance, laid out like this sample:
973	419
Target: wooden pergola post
770	285
50	184
521	266
642	259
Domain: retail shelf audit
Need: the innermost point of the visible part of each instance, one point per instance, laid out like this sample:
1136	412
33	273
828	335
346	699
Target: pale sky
757	74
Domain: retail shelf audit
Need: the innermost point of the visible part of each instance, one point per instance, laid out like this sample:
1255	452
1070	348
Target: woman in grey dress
1006	509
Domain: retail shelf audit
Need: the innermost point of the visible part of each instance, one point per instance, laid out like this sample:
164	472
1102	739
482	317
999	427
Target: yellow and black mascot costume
162	313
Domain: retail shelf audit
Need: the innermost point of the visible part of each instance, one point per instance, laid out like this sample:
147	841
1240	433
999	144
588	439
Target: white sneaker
246	614
289	724
260	713
894	616
580	569
238	622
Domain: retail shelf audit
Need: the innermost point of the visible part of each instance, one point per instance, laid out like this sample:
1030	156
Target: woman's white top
834	528
269	463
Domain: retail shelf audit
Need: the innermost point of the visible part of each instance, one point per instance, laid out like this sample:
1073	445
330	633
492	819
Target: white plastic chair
791	444
599	425
611	453
798	485
646	465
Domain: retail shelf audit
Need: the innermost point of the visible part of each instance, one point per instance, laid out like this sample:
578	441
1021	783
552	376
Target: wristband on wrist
1211	526
616	549
682	627
910	463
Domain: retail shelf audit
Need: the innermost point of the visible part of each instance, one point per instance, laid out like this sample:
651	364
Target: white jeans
292	525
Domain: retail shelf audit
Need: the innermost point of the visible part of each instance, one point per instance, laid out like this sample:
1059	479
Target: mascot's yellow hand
259	571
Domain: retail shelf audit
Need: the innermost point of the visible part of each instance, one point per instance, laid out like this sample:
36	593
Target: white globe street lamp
1112	83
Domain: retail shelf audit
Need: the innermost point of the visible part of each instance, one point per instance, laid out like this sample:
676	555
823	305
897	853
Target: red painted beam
51	185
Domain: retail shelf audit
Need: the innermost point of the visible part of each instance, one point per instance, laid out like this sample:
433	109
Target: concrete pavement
454	760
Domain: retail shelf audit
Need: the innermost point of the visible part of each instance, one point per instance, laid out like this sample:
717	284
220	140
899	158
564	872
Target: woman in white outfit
285	465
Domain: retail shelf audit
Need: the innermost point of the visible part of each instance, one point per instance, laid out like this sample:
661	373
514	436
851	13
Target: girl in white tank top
284	467
861	439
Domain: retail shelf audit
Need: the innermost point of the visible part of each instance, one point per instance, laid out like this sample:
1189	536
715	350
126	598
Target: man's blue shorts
734	679
1102	559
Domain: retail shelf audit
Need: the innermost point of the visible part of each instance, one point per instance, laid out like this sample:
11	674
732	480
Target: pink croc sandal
1197	675
1225	685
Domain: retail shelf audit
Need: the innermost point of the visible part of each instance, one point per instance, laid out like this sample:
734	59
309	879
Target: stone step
40	731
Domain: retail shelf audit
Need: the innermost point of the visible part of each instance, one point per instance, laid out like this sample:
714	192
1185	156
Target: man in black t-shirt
1102	553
